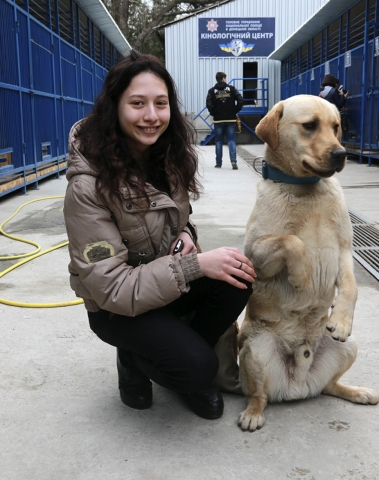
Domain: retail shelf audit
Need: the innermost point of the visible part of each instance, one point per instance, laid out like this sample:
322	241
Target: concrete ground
61	415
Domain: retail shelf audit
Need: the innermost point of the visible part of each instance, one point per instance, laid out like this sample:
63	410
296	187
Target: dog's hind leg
252	381
341	356
362	395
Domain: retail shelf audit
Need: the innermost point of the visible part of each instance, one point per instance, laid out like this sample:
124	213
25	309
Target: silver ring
239	268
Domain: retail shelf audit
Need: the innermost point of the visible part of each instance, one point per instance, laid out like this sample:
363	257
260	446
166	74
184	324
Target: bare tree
138	19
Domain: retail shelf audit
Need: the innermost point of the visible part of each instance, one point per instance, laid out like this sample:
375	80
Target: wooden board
15	182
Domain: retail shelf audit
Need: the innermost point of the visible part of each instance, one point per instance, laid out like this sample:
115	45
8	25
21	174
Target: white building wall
194	75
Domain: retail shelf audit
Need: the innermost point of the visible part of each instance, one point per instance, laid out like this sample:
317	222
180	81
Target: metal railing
255	103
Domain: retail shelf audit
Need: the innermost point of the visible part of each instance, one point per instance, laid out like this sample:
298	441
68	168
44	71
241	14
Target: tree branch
168	9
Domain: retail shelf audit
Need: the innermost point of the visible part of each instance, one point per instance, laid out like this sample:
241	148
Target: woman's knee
195	372
239	296
244	294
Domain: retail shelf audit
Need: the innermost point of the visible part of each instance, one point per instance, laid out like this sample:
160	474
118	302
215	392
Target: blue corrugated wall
48	81
348	48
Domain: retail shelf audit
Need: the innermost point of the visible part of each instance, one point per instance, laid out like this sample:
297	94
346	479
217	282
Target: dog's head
303	135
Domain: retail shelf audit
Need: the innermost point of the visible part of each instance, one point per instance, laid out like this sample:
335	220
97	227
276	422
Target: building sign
376	50
236	37
348	59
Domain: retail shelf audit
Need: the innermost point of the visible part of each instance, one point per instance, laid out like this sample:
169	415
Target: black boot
207	403
135	387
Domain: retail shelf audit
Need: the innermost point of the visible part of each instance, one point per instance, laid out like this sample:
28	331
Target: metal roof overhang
324	15
98	13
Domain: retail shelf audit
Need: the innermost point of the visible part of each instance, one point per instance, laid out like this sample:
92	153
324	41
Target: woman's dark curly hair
106	147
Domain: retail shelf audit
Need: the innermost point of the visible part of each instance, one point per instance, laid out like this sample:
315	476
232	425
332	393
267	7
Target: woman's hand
188	247
225	263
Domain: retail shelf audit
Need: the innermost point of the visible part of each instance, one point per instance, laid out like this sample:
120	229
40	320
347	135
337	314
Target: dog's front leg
341	319
271	254
252	381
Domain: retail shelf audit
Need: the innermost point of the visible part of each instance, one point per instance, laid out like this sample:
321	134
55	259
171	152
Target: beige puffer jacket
119	259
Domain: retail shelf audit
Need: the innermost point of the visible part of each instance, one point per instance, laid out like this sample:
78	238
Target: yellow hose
31	256
22	239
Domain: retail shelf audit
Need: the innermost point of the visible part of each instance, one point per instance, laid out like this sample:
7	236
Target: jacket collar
324	93
271	173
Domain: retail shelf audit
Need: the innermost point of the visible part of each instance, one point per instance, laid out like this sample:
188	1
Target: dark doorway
250	72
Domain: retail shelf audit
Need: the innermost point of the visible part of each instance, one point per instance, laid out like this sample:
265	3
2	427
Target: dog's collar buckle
277	176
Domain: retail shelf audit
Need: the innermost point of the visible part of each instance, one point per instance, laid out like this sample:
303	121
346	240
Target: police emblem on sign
212	26
236	47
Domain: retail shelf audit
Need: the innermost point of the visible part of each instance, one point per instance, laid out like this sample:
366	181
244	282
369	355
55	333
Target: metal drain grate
250	159
365	243
362	185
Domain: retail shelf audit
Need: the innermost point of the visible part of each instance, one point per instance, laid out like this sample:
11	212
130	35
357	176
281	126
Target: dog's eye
336	128
310	126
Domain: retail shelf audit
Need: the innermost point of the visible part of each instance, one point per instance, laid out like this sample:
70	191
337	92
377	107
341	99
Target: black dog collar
270	173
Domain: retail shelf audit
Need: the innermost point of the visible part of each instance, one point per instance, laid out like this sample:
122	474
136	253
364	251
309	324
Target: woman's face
144	111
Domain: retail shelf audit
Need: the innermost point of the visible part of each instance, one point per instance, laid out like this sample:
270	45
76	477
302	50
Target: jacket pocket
138	243
139	257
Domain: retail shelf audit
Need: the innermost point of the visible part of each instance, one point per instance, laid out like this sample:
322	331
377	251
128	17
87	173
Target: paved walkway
61	416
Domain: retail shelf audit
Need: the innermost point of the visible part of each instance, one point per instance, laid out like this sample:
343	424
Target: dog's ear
267	128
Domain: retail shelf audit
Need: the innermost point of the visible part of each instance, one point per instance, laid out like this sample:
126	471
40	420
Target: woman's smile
144	111
148	129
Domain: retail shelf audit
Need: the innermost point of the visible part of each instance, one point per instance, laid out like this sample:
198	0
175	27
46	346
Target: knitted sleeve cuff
191	268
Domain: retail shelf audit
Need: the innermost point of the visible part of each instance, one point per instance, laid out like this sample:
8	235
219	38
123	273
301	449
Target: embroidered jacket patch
94	252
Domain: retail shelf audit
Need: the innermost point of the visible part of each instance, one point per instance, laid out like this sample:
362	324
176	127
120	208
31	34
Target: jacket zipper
141	255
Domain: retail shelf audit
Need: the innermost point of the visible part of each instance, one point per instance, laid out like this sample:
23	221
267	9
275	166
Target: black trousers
173	354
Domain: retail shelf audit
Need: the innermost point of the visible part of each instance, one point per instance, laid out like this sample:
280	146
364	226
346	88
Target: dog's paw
299	276
251	420
340	325
362	395
367	396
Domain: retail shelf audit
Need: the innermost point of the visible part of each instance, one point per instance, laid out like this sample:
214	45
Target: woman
331	92
131	171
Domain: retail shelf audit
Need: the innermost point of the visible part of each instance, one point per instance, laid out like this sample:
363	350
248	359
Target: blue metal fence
348	49
52	67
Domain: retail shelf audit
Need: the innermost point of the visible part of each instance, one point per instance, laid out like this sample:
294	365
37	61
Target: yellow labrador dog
293	345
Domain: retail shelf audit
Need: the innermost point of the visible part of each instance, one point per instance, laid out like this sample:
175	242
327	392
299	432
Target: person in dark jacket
223	103
132	169
332	93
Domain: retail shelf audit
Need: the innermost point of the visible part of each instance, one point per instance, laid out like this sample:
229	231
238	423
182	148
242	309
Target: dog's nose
338	158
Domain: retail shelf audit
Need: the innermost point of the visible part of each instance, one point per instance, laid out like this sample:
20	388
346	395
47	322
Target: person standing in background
332	93
223	103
